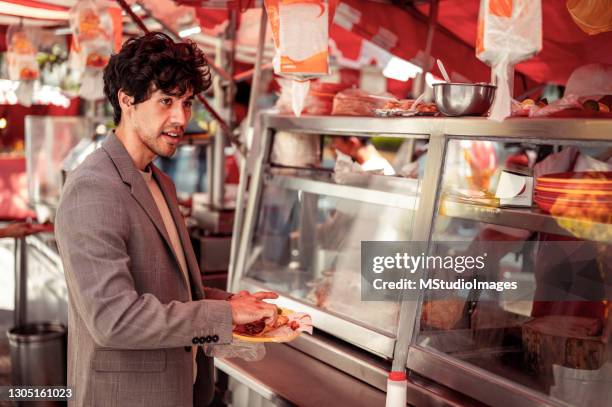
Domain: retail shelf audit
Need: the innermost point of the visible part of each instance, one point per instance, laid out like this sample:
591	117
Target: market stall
478	347
304	224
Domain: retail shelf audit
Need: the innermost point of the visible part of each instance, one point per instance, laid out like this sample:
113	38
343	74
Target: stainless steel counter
288	376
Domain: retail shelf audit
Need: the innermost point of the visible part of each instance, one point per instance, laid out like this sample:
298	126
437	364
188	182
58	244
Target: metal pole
224	97
133	16
410	310
21	280
250	119
261	42
218	157
242	76
231	86
433	22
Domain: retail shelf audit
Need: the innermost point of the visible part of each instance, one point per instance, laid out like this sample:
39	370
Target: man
363	152
137	306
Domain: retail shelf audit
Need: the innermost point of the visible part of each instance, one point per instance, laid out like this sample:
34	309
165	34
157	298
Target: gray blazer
131	324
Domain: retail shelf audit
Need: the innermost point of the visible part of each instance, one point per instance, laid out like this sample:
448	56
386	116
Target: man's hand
248	307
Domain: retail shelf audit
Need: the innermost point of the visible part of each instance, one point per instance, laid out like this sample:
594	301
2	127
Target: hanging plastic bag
592	16
300	29
591	81
509	31
22	46
318	102
92	27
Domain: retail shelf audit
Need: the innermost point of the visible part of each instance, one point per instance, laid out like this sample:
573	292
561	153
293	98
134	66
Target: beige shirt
175	241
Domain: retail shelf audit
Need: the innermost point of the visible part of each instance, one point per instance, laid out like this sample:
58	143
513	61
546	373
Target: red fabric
13	189
15	115
117	19
3	38
36	4
411	35
565	46
232	173
210	19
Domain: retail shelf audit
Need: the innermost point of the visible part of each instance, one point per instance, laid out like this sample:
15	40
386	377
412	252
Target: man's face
160	121
345	145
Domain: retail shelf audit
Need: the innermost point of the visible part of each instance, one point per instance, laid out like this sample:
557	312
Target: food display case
52	144
302	236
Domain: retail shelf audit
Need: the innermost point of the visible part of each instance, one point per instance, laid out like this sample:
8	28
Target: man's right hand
248	308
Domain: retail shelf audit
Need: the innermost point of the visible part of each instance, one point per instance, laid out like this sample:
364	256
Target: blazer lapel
131	176
167	189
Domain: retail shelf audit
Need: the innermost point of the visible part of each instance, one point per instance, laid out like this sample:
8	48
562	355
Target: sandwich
260	328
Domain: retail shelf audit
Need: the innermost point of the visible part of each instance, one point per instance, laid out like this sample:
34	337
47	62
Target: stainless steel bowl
463	99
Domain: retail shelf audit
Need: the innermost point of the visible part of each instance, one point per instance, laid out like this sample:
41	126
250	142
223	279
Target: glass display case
306	239
51	142
552	342
305	220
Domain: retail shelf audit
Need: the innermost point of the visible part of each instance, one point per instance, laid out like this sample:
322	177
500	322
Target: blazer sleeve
216	294
92	231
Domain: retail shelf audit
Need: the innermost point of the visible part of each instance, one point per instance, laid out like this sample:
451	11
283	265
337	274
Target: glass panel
375	154
308	235
554	338
187	168
49	141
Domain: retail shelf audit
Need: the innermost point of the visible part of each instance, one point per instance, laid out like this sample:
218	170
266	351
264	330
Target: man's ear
125	101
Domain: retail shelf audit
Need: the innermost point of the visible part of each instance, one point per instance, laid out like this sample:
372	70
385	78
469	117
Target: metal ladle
443	71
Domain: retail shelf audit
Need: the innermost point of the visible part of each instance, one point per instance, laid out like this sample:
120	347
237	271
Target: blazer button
208	339
215	338
187	348
202	340
195	340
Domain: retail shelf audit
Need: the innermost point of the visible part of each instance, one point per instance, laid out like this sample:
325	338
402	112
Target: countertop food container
463	99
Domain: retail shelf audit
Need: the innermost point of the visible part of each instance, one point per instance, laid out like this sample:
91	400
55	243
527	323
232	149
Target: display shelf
527	218
356	193
572	130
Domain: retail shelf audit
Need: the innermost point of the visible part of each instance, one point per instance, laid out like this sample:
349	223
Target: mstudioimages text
410	263
439	284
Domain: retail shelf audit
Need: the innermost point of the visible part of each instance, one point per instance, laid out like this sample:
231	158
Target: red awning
564	47
404	33
33	9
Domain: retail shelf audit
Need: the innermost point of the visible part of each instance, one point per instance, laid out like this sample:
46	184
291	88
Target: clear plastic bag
22	46
249	351
300	29
356	102
509	31
93	33
319	100
590	81
92	27
566	103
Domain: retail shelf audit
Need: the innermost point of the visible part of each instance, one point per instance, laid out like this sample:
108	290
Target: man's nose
179	116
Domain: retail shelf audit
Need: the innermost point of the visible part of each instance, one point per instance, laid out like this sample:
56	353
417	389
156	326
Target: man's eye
166	101
188	103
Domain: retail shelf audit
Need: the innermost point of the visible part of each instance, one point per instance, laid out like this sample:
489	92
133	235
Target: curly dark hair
155	62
